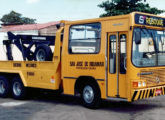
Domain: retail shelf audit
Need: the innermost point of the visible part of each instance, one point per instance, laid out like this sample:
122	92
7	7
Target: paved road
69	108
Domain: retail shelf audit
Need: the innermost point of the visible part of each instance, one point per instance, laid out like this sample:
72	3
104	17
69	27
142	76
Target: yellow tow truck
113	58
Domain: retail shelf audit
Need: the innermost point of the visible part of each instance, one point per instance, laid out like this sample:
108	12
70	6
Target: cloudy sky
54	10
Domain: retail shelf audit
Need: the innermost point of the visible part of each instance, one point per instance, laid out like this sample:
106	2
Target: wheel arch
82	80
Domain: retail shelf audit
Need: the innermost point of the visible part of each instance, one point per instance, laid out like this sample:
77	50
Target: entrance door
117	64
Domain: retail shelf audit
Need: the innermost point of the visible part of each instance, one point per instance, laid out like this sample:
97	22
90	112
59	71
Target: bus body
120	57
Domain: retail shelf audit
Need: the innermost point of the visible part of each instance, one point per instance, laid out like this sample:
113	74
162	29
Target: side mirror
138	37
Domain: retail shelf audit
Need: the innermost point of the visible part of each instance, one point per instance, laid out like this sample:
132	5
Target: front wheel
90	95
18	89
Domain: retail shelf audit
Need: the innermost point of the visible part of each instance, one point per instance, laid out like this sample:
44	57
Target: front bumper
148	92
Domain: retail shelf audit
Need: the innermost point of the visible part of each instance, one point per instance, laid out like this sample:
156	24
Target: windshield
151	50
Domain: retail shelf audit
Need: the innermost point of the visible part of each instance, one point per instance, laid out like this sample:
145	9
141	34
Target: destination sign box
149	20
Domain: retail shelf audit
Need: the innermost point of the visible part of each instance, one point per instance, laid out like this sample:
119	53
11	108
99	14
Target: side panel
76	65
34	74
117	25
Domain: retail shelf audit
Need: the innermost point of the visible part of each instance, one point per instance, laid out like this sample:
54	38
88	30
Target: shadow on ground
115	106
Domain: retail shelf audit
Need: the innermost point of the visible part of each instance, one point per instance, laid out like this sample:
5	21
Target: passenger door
117	64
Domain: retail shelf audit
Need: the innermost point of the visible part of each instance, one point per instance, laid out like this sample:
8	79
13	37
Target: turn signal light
135	84
139	84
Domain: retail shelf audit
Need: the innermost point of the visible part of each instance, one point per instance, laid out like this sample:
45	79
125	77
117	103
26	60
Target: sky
55	10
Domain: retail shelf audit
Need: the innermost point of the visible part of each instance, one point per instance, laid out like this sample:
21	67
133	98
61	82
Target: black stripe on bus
146	94
134	95
143	94
77	78
139	95
70	77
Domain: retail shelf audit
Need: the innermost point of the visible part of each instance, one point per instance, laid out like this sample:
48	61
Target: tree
120	7
16	18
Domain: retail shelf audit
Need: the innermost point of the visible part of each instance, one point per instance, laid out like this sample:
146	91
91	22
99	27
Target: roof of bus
131	15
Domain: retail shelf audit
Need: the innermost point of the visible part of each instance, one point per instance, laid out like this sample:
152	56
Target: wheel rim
88	94
2	87
40	55
17	88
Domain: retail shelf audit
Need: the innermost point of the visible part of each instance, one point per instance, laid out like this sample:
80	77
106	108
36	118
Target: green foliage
120	7
16	18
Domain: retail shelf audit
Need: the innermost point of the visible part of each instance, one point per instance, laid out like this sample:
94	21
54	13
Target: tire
90	95
43	53
4	87
18	89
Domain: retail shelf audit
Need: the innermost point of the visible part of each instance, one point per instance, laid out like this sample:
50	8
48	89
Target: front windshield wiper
154	40
145	31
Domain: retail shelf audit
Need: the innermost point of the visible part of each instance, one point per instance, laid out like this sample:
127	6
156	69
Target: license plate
158	92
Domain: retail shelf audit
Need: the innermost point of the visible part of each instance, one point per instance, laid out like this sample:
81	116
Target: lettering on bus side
31	65
97	64
30	74
72	63
86	64
17	65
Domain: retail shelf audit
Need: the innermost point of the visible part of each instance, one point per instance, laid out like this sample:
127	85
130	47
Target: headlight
139	84
144	84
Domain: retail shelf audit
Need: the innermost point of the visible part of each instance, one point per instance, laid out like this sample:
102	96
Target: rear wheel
18	89
90	95
4	87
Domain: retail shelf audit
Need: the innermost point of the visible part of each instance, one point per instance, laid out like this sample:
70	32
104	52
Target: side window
85	38
122	53
112	53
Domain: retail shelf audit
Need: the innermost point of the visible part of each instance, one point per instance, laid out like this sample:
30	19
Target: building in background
48	29
32	29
